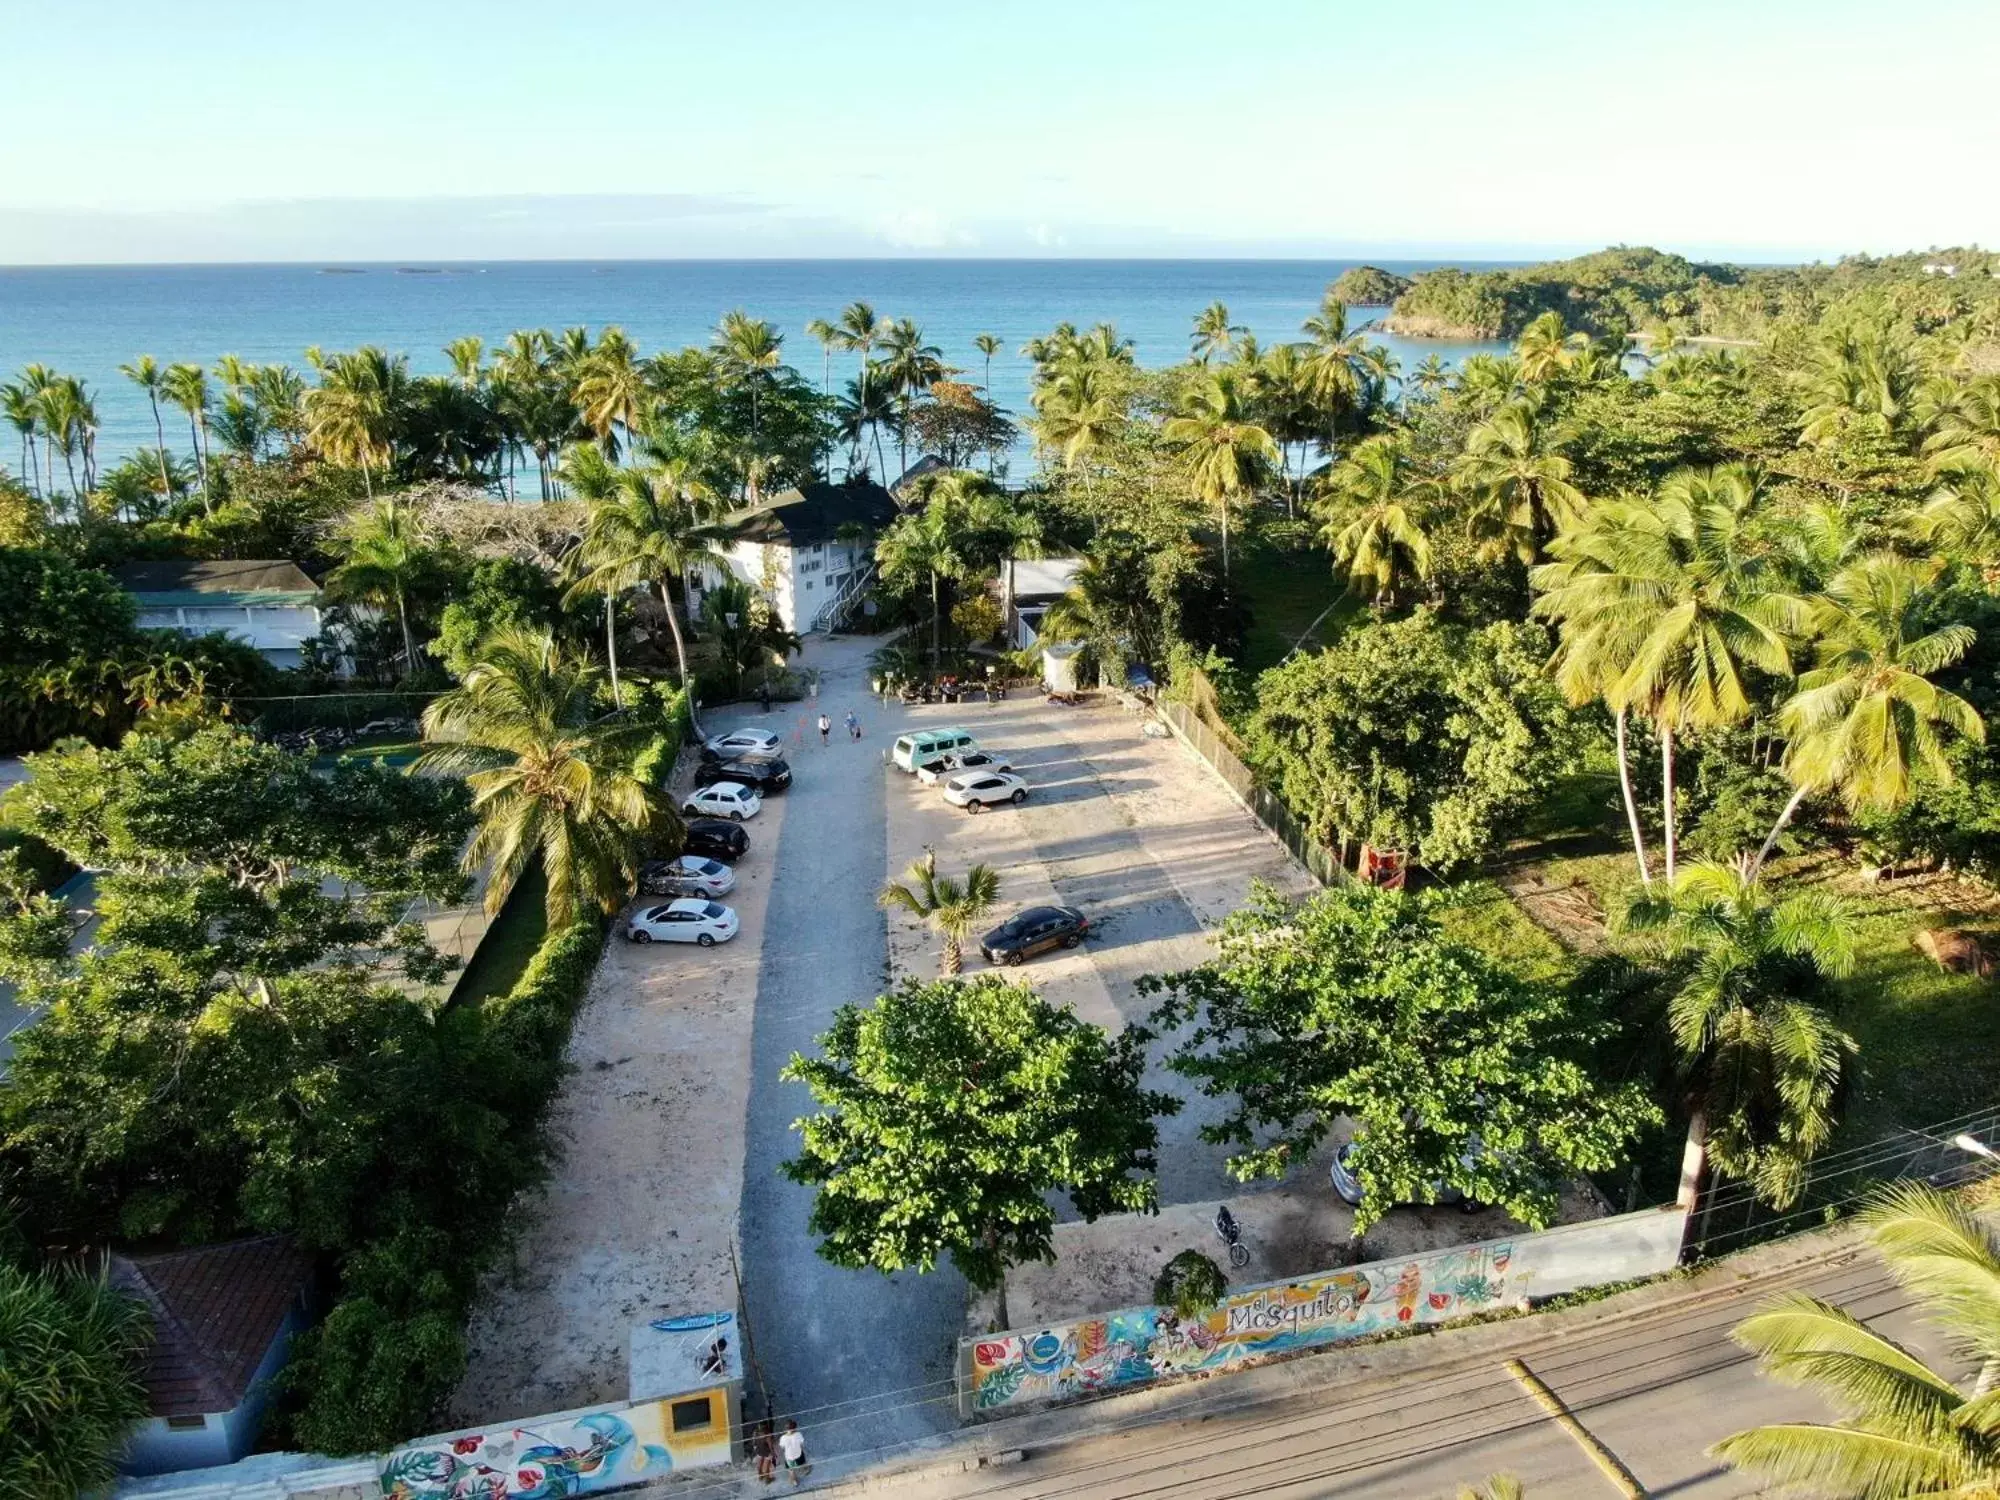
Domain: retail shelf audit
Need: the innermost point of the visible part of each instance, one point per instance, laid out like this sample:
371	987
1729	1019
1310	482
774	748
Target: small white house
809	550
271	605
1028	586
224	1317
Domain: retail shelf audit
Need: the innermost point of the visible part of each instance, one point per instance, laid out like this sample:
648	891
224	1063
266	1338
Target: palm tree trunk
936	658
403	619
680	653
611	643
160	431
1225	540
1631	805
952	959
1771	840
1667	795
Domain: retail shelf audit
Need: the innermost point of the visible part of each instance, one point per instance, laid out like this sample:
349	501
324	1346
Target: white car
686	875
725	799
973	790
739	743
930	773
689	920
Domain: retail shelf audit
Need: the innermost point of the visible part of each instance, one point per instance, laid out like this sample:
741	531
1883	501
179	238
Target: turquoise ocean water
87	320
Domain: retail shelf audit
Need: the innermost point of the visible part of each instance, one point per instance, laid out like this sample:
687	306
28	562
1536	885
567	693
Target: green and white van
913	750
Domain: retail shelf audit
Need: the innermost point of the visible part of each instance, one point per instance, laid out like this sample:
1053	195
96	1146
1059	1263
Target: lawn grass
509	943
1482	916
1287	587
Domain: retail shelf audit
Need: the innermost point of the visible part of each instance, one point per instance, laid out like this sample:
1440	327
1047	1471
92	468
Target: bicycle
1232	1236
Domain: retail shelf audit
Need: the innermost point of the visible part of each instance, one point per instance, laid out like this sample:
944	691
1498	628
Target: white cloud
923	229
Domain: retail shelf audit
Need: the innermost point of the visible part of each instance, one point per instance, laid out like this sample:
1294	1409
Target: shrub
1190	1284
69	1381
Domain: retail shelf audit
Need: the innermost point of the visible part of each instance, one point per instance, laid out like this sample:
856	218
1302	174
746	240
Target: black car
1035	930
716	838
761	776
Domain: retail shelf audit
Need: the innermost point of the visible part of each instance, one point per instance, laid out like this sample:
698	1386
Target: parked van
922	745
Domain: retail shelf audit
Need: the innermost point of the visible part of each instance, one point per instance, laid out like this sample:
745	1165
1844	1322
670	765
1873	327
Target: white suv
973	790
725	799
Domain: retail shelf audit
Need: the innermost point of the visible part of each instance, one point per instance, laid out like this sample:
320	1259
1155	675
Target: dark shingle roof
232	581
216	1310
815	512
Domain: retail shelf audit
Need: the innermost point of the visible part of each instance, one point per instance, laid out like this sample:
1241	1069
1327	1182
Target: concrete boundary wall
1139	1346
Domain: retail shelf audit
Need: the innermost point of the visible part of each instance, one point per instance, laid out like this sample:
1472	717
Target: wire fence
1264	805
353	712
1950	1153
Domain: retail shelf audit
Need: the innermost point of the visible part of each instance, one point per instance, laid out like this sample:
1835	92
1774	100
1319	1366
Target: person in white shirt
793	1446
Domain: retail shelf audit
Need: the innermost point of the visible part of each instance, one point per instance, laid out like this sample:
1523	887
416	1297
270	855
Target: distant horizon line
419	264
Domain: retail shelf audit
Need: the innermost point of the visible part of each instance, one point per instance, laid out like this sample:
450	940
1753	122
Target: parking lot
670	1128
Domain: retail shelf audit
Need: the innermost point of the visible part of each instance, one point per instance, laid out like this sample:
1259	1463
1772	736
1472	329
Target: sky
239	130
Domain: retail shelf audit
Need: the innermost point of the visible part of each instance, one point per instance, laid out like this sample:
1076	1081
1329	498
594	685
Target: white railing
835	611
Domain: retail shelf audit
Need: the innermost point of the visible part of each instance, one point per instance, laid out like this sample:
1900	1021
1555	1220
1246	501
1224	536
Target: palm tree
1866	716
1078	411
145	373
1864	378
1906	1430
1520	486
1368	503
1543	349
186	386
1666	606
23	412
910	366
551	777
951	907
610	389
1963	513
468	360
645	526
924	544
860	331
1765	1062
748	349
1965	423
1213	332
1432	376
1342	372
351	414
384	552
61	401
1226	452
987	344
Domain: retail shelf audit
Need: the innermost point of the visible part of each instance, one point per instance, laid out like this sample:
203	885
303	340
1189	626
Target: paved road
844	1350
1657	1386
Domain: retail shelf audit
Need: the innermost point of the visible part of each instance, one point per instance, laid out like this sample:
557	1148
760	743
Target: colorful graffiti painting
1142	1344
570	1456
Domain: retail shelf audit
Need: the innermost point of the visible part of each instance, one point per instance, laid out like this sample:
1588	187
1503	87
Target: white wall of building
799	581
277	630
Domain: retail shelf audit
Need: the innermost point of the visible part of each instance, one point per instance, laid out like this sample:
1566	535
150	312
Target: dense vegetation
1708	615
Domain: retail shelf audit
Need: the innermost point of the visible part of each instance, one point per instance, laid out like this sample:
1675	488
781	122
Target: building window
693	1415
186	1424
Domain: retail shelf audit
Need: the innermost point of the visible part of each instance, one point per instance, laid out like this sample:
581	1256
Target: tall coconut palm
1964	423
1520	486
951	907
1226	453
911	367
383	554
351	414
1866	717
860	332
610	389
468	360
1765	1063
645	526
1078	411
1670	605
145	373
925	545
749	350
1543	349
61	401
1864	378
23	413
1341	371
186	386
1371	505
1213	332
551	777
988	344
1963	513
1905	1429
1431	376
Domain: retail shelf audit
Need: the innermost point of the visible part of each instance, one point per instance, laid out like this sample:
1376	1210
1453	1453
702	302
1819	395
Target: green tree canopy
1456	1073
1416	734
57	609
950	1112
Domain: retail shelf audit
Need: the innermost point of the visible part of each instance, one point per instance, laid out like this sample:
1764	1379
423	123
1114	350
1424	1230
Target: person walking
793	1446
766	1454
853	726
825	729
764	696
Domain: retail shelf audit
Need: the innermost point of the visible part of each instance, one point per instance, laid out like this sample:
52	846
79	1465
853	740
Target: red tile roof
216	1311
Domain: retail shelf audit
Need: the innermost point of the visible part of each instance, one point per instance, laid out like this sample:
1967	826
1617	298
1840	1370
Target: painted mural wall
575	1454
1138	1345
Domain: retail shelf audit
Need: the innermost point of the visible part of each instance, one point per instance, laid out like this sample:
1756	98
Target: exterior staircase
839	611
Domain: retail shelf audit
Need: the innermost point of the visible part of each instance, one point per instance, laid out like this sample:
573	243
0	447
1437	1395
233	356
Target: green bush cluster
392	1346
